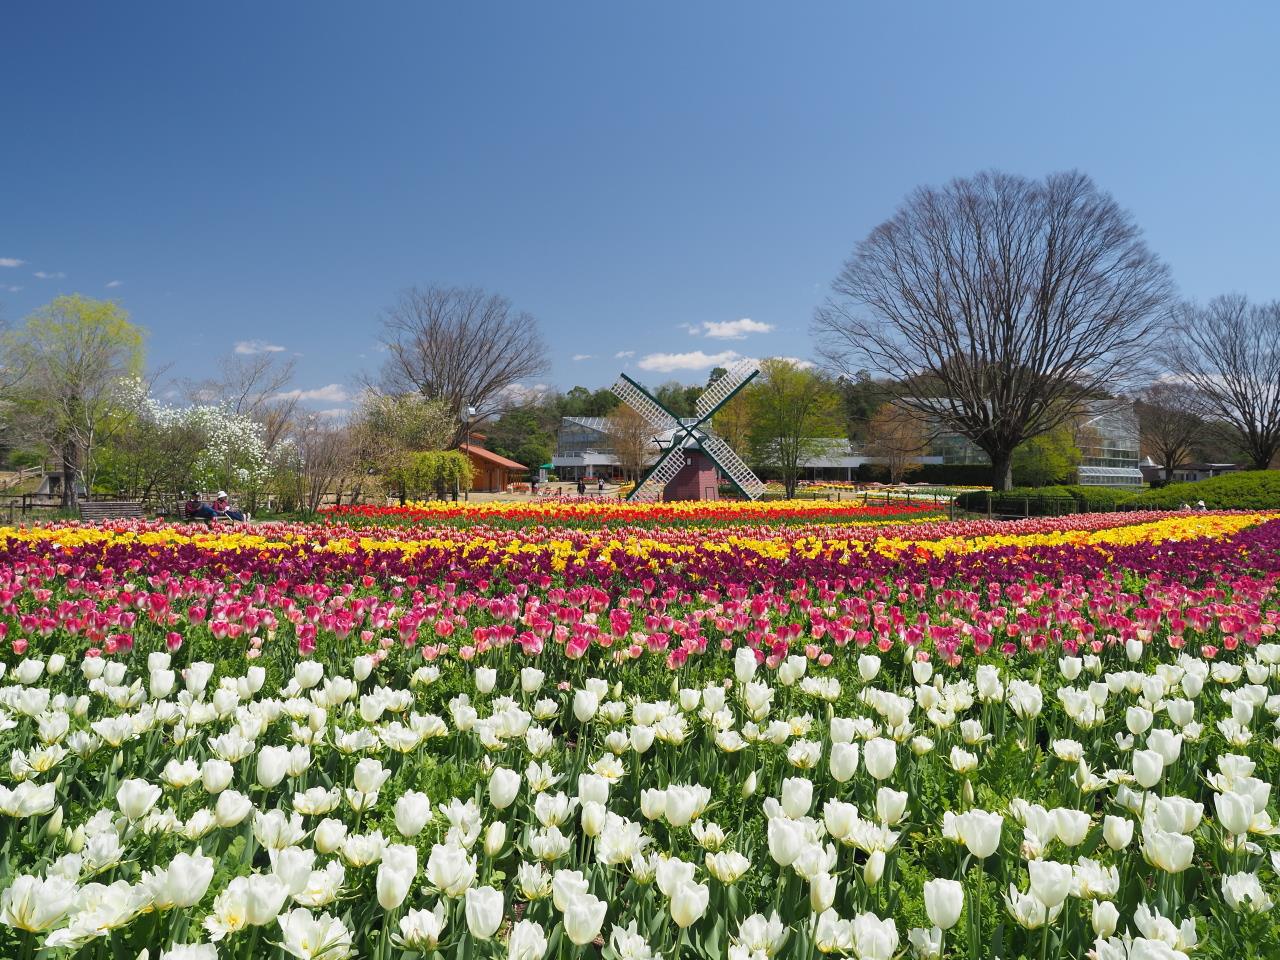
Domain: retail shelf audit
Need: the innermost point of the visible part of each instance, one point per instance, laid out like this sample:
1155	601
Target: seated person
222	507
196	509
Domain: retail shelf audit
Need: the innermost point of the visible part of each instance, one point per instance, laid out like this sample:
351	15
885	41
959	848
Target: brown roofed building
490	473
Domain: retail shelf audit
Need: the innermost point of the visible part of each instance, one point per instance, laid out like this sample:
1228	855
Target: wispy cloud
112	284
798	362
521	395
624	354
333	413
733	329
329	393
42	275
250	347
11	262
13	289
581	356
693	360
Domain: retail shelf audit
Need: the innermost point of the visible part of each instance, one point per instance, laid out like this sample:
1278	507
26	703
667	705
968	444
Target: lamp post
466	415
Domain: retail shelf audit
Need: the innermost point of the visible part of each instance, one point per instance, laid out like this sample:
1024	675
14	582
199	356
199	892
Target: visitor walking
582	487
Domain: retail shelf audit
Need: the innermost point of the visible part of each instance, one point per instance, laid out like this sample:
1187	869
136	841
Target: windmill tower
690	452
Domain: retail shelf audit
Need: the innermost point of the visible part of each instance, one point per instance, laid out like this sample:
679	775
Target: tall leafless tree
632	440
896	436
999	305
1229	352
324	458
462	346
1169	423
252	384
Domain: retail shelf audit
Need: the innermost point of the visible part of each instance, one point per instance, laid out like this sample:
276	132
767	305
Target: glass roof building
1107	436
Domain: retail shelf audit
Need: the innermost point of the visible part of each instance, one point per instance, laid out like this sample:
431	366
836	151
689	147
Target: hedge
1246	490
957	474
1048	501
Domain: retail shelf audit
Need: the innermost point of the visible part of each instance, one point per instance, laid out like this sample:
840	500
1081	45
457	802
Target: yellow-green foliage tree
1049	458
792	410
433	473
78	358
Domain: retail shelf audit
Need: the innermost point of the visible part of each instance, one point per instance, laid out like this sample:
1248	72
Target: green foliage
791	410
74	362
1246	490
958	474
678	398
1048	501
521	434
434	473
581	402
1049	458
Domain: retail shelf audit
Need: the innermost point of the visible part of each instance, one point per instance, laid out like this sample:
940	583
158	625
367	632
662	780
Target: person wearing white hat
222	507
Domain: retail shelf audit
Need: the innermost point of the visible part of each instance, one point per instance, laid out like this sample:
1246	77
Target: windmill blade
656	480
726	386
739	473
638	399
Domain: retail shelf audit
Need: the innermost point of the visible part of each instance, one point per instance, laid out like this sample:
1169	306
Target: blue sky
640	177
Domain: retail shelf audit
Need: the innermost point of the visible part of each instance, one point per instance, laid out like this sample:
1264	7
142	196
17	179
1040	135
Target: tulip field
705	731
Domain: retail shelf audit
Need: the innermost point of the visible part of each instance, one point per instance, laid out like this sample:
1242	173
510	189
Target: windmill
690	451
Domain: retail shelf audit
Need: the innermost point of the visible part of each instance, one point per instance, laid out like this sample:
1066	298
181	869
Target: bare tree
1169	423
324	454
252	384
462	346
896	436
632	440
1229	352
999	305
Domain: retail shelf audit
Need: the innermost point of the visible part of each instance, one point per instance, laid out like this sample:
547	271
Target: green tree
81	358
679	398
520	434
388	429
1047	459
793	411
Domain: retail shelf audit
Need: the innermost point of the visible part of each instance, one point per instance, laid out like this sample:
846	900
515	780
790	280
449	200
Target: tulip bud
749	784
873	869
54	825
504	785
495	838
843	761
1148	768
484	911
943	901
1105	917
822	892
1117	832
593	817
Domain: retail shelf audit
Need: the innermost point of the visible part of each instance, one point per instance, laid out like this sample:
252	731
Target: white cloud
520	395
112	284
330	393
797	362
333	413
734	329
13	289
249	347
11	262
693	360
581	356
49	276
624	354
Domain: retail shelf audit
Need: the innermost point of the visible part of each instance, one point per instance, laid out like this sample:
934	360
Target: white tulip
943	901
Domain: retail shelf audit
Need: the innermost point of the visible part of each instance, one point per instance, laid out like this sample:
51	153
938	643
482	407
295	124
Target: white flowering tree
167	448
